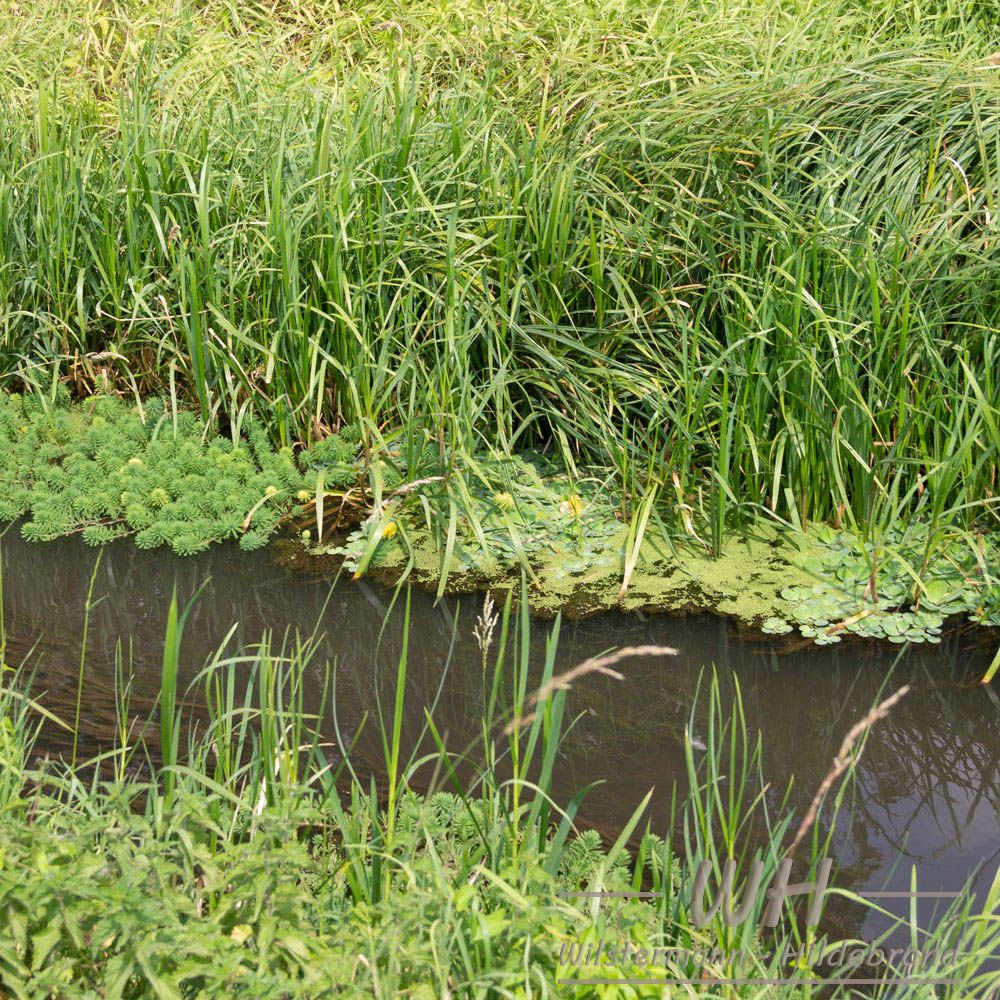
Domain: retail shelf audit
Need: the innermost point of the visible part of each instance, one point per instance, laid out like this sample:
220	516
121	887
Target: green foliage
100	902
748	248
103	903
12	762
336	456
109	470
242	865
888	591
508	513
89	906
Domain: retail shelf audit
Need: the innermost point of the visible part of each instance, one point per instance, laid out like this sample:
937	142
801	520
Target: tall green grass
767	273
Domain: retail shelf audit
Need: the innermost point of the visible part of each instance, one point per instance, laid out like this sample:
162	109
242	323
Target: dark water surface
927	790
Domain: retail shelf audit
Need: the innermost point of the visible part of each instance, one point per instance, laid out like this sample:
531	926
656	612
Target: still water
927	791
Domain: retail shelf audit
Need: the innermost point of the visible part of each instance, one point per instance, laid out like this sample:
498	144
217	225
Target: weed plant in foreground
248	854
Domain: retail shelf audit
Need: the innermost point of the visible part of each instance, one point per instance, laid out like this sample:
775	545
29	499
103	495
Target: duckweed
569	538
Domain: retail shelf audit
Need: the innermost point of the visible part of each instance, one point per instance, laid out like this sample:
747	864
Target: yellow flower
389	529
504	501
573	505
241	933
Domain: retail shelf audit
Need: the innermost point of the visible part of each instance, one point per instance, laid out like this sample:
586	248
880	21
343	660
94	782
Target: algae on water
568	537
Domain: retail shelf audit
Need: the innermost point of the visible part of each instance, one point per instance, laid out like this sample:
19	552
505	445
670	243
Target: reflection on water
927	792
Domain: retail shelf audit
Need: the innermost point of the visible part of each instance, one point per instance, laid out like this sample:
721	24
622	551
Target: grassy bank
243	854
739	258
688	306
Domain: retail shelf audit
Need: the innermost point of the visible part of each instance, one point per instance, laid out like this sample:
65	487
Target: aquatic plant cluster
108	469
518	512
581	555
742	256
890	591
